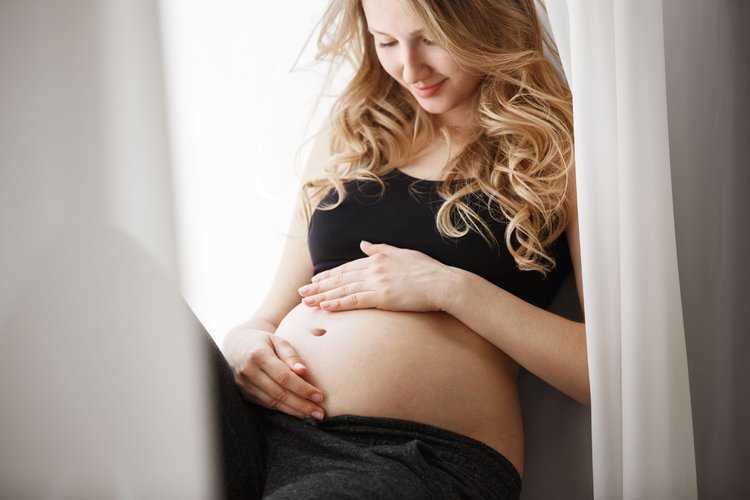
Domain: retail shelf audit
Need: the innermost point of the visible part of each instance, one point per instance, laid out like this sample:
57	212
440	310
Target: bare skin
426	367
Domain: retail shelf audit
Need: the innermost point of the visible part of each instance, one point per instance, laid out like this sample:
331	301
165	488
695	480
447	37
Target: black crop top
404	219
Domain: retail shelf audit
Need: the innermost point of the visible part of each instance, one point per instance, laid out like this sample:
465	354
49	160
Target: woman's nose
415	67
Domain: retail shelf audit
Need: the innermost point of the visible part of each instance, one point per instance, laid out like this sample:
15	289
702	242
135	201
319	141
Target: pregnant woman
436	220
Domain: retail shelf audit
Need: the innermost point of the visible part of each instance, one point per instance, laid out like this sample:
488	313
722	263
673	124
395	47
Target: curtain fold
642	437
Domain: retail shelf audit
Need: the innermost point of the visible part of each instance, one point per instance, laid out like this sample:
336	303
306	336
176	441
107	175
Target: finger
373	248
355	265
262	399
335	280
286	353
265	392
337	293
271	395
286	378
264	358
362	300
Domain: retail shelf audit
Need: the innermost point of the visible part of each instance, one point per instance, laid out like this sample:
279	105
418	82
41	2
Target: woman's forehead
392	17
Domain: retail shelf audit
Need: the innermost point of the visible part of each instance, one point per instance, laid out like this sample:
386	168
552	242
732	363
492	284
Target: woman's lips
425	92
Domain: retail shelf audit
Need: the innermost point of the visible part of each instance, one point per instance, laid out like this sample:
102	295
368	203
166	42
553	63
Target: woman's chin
448	112
432	107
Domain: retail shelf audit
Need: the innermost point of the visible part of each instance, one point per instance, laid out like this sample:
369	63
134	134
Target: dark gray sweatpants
268	454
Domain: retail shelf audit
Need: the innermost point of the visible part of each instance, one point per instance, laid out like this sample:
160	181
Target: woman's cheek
390	67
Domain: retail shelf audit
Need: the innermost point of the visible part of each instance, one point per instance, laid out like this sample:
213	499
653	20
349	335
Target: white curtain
642	436
626	60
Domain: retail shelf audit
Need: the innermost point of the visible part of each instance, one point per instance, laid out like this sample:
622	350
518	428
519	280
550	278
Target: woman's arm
295	266
267	369
549	346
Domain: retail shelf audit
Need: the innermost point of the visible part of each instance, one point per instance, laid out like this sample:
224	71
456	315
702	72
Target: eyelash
385	45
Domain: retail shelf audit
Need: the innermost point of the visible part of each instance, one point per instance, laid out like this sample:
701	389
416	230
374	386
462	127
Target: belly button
318	332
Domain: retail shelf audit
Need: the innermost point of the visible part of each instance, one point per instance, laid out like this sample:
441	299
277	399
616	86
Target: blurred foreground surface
101	381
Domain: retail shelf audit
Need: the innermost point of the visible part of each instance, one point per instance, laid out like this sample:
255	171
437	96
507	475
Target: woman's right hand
268	372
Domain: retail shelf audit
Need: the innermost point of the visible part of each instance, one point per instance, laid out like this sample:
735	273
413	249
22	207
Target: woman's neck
430	161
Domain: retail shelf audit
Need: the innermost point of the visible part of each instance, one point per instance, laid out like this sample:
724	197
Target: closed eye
426	41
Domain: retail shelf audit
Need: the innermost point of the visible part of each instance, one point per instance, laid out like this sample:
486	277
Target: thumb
287	354
372	248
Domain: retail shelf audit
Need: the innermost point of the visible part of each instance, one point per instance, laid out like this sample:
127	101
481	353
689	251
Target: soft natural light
238	123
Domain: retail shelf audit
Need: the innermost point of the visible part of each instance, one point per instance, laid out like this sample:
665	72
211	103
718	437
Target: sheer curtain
642	438
652	82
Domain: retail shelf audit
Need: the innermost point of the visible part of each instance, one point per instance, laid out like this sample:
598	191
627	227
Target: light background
240	123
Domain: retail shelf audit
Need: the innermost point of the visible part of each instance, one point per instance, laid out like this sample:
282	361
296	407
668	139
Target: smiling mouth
428	91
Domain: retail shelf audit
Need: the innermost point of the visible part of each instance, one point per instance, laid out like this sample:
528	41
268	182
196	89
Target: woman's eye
426	41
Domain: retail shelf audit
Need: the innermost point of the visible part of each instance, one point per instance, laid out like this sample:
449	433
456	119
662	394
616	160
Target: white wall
237	119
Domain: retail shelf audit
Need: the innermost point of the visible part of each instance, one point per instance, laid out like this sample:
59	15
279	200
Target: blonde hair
517	162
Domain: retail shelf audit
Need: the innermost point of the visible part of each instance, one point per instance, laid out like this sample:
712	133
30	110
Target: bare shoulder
320	153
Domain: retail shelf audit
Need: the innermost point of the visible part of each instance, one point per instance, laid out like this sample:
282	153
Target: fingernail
303	289
299	366
317	397
317	415
308	300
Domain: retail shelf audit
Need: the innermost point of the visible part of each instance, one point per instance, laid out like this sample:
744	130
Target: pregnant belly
426	367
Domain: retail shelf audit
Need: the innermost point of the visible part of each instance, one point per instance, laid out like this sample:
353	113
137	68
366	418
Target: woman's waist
425	367
363	326
406	342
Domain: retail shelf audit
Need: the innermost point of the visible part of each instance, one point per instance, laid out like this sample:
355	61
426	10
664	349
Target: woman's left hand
389	278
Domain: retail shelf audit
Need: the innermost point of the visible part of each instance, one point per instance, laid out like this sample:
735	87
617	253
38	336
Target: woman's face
437	82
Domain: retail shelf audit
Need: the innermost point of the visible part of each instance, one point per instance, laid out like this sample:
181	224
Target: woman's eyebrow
415	32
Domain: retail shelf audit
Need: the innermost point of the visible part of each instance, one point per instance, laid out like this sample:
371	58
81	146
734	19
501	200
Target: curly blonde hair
518	160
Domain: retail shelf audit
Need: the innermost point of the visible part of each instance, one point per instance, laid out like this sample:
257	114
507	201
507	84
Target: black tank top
405	218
